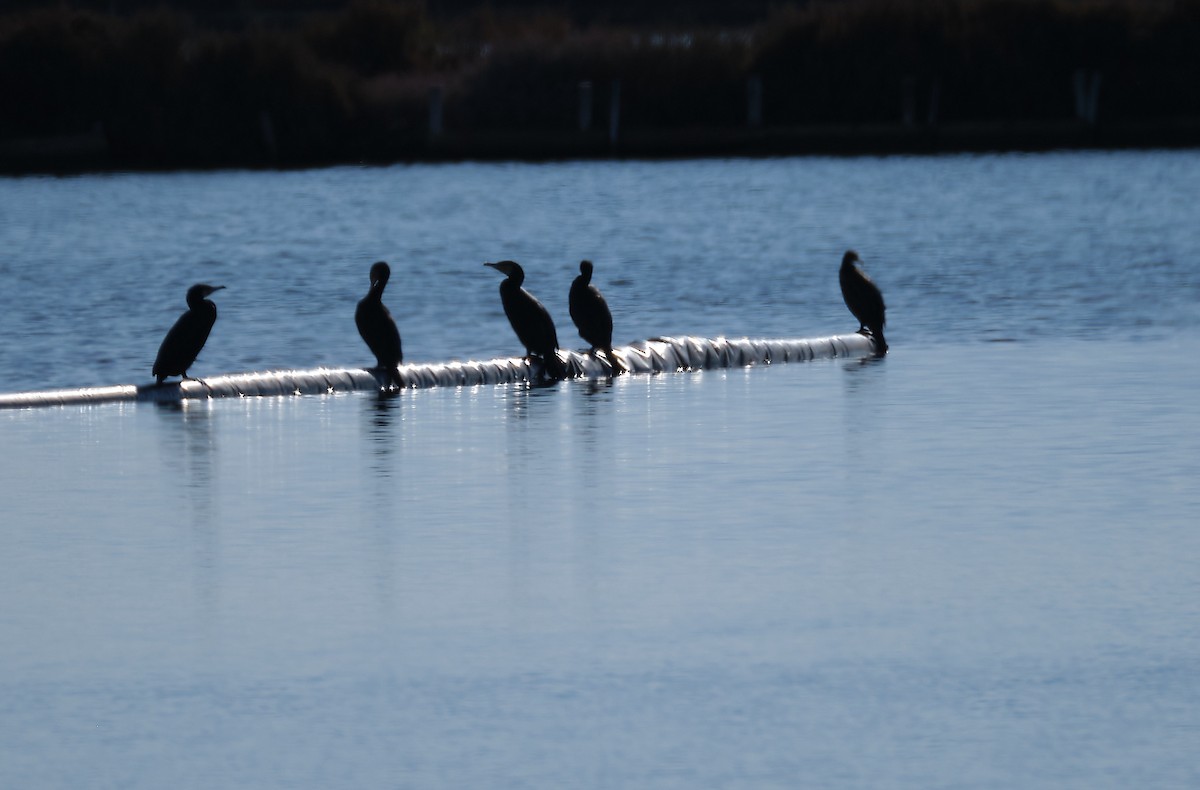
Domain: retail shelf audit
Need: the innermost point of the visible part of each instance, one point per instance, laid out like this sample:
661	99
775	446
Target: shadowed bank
279	84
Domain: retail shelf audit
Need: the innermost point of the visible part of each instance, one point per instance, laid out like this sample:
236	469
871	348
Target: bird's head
508	268
202	290
850	258
585	267
380	272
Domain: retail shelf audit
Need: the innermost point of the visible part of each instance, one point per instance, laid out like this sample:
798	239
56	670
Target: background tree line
219	81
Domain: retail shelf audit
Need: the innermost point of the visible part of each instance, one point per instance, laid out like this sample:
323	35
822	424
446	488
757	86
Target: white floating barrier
659	355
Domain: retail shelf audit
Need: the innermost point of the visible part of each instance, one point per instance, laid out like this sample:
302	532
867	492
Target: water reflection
596	386
662	535
535	443
383	414
863	413
594	398
594	428
383	410
190	454
522	395
862	379
861	365
195	463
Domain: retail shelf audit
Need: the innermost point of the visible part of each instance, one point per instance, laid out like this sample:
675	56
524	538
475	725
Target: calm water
970	564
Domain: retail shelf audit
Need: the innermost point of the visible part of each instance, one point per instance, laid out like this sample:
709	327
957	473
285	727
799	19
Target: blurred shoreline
89	152
290	84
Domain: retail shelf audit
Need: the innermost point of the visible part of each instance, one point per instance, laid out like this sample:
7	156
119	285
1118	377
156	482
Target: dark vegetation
141	84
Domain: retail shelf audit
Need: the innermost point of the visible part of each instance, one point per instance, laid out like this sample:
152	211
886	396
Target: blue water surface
968	564
966	248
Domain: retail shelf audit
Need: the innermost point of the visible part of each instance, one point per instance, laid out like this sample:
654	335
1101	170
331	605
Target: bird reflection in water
859	373
383	410
593	410
383	413
192	425
523	396
865	412
596	386
198	441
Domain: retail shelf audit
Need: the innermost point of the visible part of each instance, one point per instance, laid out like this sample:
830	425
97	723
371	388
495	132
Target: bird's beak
493	265
218	288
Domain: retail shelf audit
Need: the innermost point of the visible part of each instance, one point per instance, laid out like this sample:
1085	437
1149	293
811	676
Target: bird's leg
185	377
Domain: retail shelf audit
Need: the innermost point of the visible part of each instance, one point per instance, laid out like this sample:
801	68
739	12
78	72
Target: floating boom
659	355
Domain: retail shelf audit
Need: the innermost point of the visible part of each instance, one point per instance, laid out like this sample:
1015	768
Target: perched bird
376	326
591	315
529	318
864	300
183	342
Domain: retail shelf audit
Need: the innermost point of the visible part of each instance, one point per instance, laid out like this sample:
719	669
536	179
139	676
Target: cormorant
591	315
376	326
864	300
529	318
183	342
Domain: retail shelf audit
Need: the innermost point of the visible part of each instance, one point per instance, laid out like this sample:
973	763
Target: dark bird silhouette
591	315
183	342
376	326
864	300
529	318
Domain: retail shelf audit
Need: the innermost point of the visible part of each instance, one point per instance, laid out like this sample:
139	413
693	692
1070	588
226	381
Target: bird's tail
881	345
555	368
613	362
